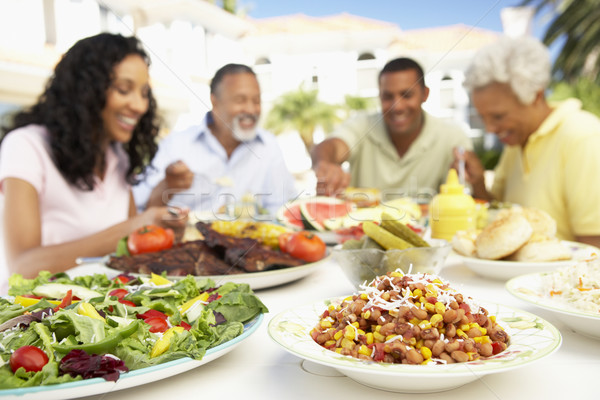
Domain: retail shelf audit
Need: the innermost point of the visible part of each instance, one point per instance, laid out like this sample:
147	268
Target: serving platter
94	386
529	288
531	339
504	270
256	280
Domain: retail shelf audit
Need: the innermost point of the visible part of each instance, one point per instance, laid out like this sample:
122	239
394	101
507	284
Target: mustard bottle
451	210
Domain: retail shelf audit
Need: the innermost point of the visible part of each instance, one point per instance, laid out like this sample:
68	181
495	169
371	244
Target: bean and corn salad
410	319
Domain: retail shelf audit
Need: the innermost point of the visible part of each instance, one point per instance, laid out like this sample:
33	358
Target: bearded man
225	160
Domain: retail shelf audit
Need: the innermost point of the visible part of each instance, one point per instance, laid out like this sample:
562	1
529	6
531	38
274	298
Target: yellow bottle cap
452	185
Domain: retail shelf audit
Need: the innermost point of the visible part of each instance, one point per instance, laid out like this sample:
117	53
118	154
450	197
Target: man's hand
178	176
331	179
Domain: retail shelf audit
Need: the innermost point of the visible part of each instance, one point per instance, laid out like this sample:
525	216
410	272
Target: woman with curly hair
67	164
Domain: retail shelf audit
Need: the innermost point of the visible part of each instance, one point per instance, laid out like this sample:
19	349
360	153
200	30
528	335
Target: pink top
67	212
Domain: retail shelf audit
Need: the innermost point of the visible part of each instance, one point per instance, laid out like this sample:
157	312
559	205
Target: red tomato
152	313
29	357
283	240
150	238
121	279
127	302
306	246
157	324
119	293
185	325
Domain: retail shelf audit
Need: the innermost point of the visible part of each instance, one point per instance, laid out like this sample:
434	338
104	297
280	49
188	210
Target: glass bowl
363	265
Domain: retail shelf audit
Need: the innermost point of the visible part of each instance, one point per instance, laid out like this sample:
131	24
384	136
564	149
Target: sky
411	14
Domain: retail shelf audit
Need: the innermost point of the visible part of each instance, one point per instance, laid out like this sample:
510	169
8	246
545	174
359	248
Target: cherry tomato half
306	246
157	324
149	239
119	293
29	357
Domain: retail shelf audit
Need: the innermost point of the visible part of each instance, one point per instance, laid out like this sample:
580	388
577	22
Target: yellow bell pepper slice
159	280
28	301
89	311
164	342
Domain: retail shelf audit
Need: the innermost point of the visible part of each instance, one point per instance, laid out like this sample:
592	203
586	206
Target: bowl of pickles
387	247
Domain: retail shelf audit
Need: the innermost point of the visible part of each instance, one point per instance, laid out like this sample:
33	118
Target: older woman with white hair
551	158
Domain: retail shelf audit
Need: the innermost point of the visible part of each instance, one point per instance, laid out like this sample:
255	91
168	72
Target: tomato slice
127	302
157	324
153	313
29	357
119	293
185	325
66	301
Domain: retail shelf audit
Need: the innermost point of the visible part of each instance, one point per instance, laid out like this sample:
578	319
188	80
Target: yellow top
558	171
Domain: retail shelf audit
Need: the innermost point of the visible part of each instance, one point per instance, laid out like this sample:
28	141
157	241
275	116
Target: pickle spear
401	230
386	239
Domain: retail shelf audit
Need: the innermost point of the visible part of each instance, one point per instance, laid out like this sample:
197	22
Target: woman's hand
474	173
167	217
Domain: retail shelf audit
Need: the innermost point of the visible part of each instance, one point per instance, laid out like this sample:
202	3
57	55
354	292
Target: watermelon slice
311	213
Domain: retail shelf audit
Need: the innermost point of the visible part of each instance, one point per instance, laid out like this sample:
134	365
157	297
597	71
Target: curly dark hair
71	105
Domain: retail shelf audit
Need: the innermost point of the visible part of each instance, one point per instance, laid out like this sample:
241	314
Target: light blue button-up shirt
256	168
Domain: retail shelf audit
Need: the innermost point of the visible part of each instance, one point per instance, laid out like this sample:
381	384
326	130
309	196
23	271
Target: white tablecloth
260	369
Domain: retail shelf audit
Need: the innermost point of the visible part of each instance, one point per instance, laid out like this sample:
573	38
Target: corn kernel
369	337
422	299
338	335
482	339
329	343
377	328
436	319
465	327
360	331
364	296
430	308
474	325
419	344
325	324
436	280
331	307
393	312
338	350
442	330
366	314
349	333
440	308
364	350
417	293
390	337
397	274
412	341
473	355
378	337
425	325
460	332
347	344
425	352
493	318
355	324
414	321
483	331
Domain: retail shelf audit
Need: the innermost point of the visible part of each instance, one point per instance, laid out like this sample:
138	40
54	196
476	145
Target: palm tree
575	23
301	111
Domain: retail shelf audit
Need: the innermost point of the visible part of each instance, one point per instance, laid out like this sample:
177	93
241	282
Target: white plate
256	280
500	269
529	288
531	338
89	387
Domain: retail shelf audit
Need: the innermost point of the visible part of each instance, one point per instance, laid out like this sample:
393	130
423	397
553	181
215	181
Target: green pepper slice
104	346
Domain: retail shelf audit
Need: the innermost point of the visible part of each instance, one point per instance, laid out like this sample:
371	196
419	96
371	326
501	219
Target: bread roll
463	242
540	251
505	235
541	222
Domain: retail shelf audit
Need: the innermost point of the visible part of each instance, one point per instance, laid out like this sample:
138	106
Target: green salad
54	329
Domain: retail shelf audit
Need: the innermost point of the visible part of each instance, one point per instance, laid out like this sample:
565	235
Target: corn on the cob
264	232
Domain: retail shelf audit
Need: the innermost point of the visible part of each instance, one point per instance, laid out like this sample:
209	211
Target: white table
260	369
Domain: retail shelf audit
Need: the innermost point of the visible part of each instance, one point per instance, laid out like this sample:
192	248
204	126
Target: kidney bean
474	332
485	349
458	297
419	313
454	305
402	328
497	334
431	333
450	330
403	311
375	314
452	346
469	346
437	348
446	357
460	356
450	315
387	329
414	357
357	306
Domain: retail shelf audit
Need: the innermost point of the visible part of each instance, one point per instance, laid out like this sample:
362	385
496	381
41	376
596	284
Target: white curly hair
523	63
